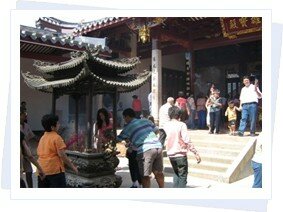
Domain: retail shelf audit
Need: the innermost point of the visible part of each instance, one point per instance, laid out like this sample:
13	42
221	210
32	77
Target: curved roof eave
47	68
122	83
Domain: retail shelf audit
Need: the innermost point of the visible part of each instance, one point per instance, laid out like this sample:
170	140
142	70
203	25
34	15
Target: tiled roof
122	83
54	21
74	76
47	67
46	36
115	66
41	84
120	65
97	24
80	28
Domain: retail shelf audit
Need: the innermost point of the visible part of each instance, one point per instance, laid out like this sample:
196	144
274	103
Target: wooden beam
217	42
203	44
165	51
167	35
44	57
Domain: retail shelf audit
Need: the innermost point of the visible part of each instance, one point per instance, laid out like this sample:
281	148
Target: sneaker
210	132
134	186
252	134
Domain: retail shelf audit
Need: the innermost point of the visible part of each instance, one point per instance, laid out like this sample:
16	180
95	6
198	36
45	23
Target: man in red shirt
137	106
181	103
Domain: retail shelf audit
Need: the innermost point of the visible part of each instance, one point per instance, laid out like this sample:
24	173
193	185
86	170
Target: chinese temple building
183	53
96	64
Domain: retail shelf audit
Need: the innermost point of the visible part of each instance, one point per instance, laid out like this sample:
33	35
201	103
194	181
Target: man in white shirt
249	96
164	118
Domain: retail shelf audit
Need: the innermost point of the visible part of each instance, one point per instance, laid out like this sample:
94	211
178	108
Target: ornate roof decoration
74	76
54	21
122	65
79	28
98	24
47	67
30	34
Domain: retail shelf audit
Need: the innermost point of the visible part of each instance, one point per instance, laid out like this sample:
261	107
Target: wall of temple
40	103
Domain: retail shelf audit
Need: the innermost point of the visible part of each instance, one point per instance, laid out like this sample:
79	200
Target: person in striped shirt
142	134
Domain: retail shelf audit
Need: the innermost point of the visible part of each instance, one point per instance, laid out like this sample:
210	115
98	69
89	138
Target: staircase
225	158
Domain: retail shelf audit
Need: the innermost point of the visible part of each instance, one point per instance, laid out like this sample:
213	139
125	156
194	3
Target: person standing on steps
164	118
249	96
178	144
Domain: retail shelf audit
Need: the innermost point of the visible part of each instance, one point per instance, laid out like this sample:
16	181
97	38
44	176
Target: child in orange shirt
52	156
232	117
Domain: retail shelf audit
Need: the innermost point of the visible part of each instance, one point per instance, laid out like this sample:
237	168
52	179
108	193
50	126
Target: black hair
99	120
22	110
181	94
129	112
174	112
231	102
49	121
151	118
246	77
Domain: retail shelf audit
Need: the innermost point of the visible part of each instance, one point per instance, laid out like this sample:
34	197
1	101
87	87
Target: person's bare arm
29	156
66	160
259	94
208	103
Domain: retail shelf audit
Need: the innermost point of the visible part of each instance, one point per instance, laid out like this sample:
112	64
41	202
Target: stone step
218	151
204	165
201	173
214	158
221	145
219	138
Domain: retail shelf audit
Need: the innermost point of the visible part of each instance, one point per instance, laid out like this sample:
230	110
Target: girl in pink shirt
177	145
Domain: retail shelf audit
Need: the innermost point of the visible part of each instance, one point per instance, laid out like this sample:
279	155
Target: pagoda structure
87	73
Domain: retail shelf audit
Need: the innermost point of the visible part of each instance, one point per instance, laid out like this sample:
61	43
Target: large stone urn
96	170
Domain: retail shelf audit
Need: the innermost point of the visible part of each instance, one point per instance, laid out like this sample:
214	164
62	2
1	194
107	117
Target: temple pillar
89	119
54	97
114	114
77	98
99	101
133	45
190	73
156	78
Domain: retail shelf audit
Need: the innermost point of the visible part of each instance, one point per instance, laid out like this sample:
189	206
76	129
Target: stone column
133	45
89	118
77	98
156	78
54	97
114	114
99	101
